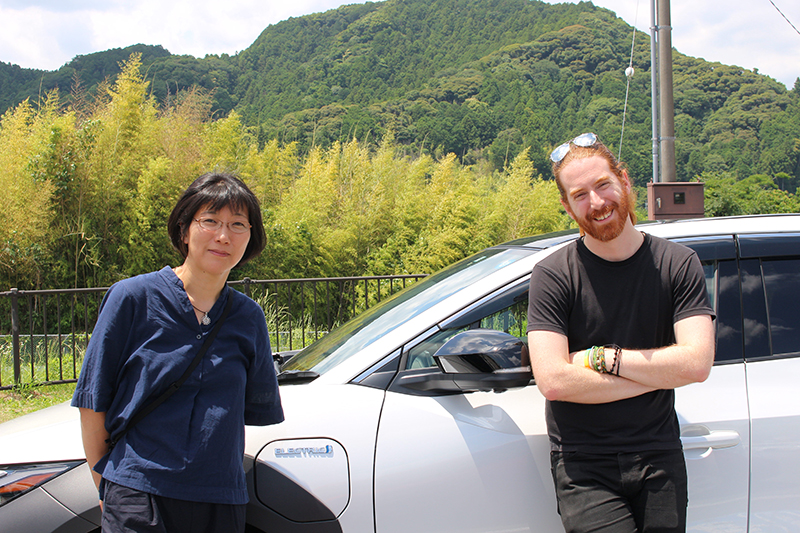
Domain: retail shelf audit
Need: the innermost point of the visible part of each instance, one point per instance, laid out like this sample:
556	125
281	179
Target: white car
400	421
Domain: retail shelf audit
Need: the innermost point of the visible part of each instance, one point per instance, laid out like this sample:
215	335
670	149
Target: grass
27	399
53	361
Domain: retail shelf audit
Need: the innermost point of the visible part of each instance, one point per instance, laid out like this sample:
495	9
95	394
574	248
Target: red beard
611	231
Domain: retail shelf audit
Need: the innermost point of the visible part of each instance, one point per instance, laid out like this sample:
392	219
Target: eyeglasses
212	224
584	140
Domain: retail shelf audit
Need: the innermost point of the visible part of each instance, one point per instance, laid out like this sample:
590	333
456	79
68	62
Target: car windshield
360	332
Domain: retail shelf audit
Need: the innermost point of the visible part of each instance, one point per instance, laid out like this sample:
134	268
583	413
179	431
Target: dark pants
621	493
129	510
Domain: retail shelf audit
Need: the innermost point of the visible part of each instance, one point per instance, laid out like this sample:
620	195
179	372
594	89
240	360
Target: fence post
15	335
247	282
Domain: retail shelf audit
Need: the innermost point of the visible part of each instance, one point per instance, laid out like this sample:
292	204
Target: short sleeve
105	352
690	293
548	298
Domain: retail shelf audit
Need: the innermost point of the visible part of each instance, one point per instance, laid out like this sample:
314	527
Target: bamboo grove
89	186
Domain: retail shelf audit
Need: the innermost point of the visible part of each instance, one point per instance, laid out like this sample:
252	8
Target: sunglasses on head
584	139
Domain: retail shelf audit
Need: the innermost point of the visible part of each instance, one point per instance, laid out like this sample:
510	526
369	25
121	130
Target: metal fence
44	333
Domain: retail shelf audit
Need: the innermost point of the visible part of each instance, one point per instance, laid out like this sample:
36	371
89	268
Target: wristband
595	359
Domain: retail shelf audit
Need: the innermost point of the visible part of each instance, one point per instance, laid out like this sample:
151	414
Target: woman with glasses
179	467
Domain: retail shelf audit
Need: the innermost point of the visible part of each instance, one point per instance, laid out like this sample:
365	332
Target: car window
722	283
512	320
770	283
718	257
710	273
352	337
769	245
755	323
506	311
421	355
782	286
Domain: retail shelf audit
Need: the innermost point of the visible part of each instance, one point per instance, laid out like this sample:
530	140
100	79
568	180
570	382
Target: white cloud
46	34
746	33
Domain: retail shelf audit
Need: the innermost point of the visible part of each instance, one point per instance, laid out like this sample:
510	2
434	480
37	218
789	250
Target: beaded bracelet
595	359
600	359
617	358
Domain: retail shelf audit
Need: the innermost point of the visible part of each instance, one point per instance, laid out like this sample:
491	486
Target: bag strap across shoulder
173	388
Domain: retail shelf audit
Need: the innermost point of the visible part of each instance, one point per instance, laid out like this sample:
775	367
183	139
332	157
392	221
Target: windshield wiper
297	377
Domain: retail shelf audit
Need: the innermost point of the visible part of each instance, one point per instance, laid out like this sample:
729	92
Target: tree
148	245
451	201
758	194
524	205
123	139
24	139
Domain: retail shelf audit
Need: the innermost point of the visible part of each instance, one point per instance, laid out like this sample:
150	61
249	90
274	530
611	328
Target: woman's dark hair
216	191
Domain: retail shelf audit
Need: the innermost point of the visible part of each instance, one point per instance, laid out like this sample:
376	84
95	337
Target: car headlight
16	480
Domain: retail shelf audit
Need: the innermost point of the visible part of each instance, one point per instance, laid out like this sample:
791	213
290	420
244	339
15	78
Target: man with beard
616	321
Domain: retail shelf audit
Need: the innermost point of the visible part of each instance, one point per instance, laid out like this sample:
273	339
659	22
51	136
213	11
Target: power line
628	75
784	16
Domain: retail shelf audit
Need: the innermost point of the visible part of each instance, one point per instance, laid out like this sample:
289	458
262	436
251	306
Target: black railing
43	334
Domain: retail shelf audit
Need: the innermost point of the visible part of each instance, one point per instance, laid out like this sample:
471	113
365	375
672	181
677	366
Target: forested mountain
381	138
479	78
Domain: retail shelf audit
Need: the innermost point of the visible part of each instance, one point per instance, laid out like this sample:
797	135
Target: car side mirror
476	360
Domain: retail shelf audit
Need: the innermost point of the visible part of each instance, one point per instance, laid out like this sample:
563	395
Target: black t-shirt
632	303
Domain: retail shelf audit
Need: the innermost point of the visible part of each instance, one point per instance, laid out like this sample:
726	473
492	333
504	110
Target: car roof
687	228
738	225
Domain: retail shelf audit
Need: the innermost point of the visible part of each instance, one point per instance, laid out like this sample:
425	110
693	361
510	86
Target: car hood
51	434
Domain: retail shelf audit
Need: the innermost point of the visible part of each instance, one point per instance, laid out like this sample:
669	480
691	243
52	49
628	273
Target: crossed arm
562	376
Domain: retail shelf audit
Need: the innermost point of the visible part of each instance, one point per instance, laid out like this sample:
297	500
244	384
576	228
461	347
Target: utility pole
666	102
654	89
666	197
661	90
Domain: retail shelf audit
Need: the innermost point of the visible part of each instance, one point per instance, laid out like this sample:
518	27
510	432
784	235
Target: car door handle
715	439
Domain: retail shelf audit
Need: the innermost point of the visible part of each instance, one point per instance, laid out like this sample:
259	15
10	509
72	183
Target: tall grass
287	332
42	359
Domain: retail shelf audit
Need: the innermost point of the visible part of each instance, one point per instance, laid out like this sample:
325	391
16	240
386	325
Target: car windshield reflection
352	337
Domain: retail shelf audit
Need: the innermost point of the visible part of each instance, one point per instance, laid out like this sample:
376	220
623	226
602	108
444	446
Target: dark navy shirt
190	447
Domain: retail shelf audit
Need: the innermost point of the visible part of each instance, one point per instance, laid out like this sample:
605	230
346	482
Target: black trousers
621	493
129	510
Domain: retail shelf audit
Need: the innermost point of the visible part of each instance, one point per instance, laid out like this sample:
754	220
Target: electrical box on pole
675	200
666	197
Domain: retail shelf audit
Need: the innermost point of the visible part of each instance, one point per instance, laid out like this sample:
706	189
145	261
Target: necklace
205	321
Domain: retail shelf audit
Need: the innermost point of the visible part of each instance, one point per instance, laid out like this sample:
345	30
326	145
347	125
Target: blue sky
45	34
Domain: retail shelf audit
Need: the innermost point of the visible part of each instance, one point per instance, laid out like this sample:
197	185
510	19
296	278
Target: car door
474	462
714	414
770	266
